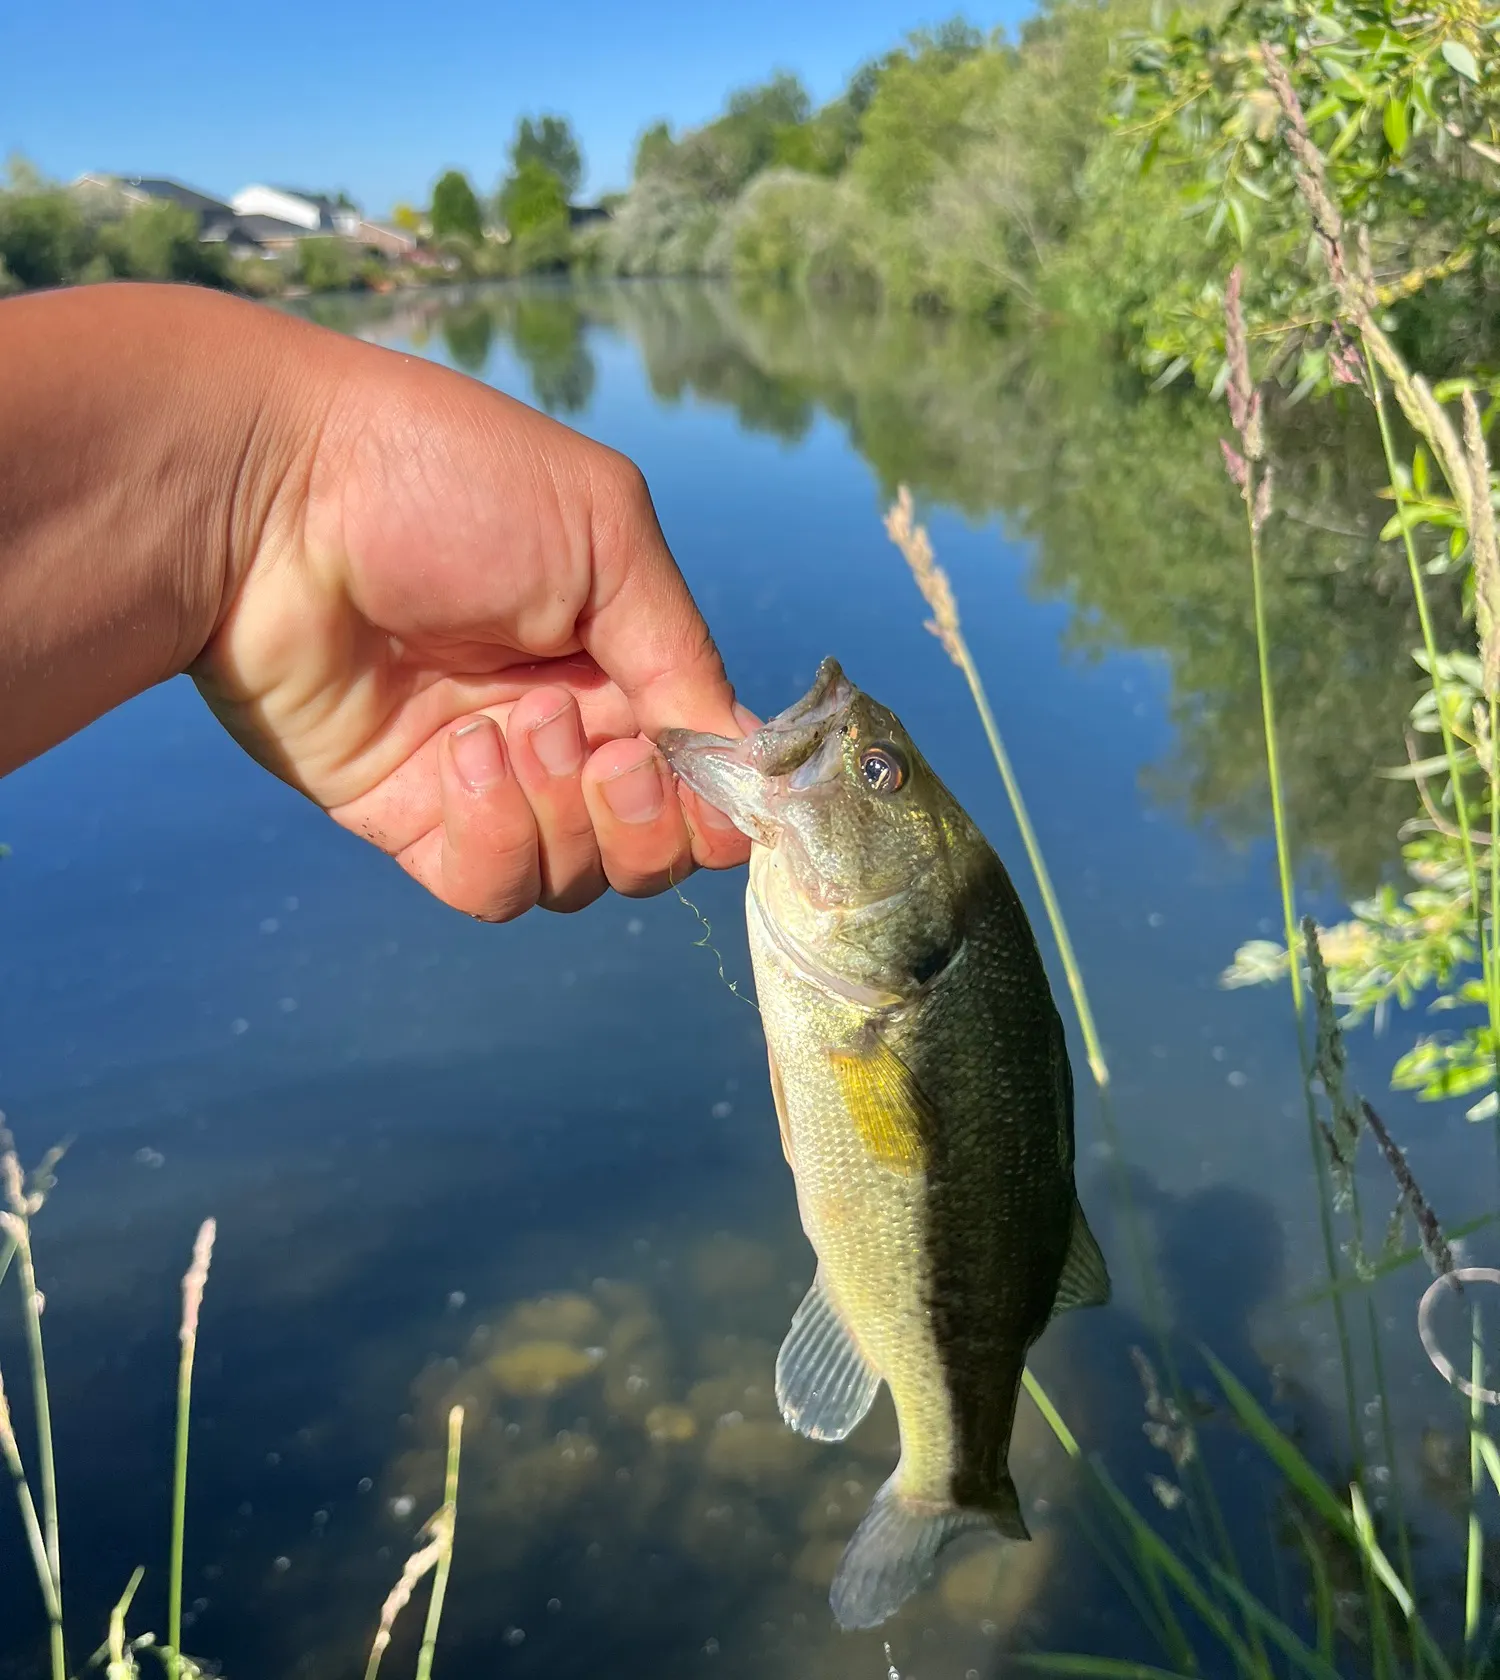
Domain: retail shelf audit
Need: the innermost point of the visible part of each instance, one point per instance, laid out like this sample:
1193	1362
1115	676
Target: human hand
455	625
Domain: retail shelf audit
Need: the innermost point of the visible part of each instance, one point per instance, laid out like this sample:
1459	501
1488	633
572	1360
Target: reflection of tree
467	331
547	331
1123	493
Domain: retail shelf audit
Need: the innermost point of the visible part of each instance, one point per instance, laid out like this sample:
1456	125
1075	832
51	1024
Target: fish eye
882	767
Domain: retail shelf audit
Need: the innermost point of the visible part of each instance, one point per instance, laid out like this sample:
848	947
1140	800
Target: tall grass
24	1196
1172	1588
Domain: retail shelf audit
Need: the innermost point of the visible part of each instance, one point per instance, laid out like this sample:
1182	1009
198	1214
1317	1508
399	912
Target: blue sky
379	99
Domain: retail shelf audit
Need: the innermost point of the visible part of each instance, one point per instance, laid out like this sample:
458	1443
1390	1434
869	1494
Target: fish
920	1074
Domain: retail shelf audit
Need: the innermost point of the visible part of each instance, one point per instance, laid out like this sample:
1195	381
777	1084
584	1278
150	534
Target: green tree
653	151
532	198
927	107
718	160
160	242
548	141
455	209
45	239
1404	105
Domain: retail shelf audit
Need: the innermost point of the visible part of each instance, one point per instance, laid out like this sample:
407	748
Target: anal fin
824	1384
1085	1278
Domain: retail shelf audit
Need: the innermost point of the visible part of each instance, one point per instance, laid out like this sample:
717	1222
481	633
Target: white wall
267	201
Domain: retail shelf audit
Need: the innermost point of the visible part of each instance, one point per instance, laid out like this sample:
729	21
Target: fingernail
558	742
745	718
636	795
478	754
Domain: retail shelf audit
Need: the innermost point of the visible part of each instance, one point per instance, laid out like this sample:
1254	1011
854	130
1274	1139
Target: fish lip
790	738
747	778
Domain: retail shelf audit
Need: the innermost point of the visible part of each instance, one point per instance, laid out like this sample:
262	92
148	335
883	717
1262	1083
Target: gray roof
256	228
160	186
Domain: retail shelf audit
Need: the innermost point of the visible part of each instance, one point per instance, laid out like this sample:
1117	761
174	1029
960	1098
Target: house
251	236
313	213
393	243
135	190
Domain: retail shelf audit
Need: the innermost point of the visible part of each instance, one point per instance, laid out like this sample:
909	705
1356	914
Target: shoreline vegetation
1098	168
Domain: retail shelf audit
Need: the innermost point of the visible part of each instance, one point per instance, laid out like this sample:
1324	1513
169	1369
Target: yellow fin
888	1111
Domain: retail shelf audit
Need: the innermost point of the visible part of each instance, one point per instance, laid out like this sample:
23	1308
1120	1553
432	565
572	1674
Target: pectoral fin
888	1110
1085	1279
824	1384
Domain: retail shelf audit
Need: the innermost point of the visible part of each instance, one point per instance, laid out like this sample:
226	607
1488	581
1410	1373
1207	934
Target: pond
535	1168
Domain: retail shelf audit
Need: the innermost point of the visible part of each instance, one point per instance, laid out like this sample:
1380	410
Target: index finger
641	624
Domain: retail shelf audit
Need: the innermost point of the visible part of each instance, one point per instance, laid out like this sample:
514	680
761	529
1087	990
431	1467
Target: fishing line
705	944
1441	1362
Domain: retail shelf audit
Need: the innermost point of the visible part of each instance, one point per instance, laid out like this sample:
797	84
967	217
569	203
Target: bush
160	242
45	237
546	248
328	264
663	227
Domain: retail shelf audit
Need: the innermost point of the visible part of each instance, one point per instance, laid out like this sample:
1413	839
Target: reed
434	1556
193	1283
912	539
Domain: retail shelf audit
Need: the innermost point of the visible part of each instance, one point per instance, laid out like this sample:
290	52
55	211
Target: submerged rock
755	1451
541	1368
1001	1580
667	1422
553	1318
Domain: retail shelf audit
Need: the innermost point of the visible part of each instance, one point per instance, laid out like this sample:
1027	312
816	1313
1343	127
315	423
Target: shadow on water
394	1241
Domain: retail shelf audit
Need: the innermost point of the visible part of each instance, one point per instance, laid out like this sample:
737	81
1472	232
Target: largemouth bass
925	1100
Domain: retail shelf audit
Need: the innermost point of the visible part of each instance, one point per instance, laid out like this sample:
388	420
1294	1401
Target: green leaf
1347	135
1276	1630
1491	1458
1394	123
1281	1451
1461	59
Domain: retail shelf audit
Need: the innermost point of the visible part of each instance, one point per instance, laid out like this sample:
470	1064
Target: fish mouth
796	752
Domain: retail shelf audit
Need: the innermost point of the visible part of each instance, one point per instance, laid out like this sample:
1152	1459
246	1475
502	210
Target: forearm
141	444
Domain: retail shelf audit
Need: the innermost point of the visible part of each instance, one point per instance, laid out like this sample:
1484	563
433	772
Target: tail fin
895	1548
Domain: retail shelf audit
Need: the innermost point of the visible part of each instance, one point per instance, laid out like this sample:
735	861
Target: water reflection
1120	490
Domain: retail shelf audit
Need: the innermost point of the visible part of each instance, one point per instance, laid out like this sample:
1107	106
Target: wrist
148	434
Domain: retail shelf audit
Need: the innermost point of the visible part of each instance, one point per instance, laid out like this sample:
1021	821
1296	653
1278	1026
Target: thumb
642	626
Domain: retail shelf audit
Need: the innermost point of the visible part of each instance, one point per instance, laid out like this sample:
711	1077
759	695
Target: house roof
261	228
162	187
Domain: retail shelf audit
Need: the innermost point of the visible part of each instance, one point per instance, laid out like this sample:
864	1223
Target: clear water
454	1161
